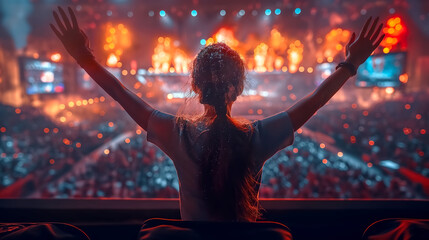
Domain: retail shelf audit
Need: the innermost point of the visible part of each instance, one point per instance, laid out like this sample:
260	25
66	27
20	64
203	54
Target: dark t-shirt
269	136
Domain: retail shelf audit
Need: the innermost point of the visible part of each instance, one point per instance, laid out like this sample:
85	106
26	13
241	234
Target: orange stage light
112	60
56	57
394	39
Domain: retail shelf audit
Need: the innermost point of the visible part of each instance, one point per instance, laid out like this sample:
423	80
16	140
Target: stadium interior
70	153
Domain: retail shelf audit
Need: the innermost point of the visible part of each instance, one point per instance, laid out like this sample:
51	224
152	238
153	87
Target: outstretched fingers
73	18
59	23
377	33
378	41
371	30
365	27
65	18
59	35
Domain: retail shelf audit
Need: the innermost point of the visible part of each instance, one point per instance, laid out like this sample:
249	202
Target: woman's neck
209	111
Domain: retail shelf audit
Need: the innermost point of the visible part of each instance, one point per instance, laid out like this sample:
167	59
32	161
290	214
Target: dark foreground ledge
121	218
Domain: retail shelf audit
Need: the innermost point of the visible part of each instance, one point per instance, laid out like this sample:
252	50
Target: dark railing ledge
122	218
173	204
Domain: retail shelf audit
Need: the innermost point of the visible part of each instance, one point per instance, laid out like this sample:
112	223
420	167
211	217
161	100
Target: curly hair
229	185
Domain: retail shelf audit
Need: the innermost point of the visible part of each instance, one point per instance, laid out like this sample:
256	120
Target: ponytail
227	179
227	173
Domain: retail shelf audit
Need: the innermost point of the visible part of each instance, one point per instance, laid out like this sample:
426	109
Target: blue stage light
278	11
203	42
194	13
222	12
162	13
268	12
297	11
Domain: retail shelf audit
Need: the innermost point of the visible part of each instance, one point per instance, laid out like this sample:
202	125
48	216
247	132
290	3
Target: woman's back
184	142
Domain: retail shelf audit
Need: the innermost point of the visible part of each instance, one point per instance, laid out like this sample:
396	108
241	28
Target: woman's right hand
73	38
358	50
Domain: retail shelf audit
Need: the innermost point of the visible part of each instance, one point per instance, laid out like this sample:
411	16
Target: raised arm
357	51
77	45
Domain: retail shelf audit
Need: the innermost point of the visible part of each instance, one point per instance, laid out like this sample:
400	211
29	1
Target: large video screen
87	83
381	70
42	77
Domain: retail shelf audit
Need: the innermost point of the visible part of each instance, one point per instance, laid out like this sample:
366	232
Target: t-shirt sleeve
272	134
162	131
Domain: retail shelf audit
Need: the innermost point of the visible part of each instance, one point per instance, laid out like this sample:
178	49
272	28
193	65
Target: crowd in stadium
393	130
317	173
133	171
34	150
